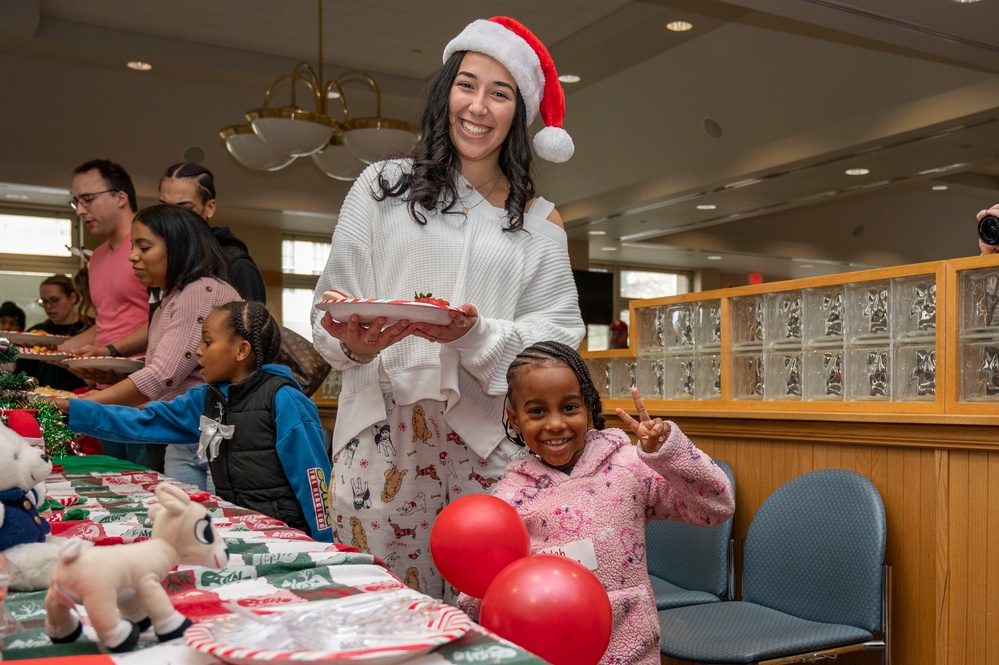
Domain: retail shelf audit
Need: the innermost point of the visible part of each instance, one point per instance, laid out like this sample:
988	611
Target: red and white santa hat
531	66
25	424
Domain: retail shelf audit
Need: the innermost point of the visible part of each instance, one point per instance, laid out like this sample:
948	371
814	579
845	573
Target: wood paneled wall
942	505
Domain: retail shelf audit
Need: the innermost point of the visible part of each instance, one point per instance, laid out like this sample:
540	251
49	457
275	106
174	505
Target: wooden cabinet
893	373
919	340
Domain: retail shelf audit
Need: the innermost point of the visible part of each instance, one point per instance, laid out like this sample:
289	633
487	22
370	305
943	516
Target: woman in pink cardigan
175	255
589	492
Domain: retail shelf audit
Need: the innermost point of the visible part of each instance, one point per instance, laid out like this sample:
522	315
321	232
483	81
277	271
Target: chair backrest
689	556
815	549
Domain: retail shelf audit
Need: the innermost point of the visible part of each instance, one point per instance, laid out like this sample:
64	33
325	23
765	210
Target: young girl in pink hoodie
588	492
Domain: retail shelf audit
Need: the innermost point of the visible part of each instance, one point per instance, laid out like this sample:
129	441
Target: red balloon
553	607
476	537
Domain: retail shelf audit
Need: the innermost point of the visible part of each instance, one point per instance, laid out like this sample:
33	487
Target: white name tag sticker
579	550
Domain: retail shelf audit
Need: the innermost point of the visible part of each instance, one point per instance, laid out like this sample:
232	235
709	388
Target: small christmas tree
15	390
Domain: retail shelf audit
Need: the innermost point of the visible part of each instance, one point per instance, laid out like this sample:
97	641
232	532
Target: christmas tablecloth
270	564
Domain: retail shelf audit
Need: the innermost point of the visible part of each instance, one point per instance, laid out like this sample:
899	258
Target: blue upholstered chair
814	581
689	564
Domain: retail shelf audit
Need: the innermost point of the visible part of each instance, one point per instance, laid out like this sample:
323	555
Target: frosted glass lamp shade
372	139
291	131
247	149
337	162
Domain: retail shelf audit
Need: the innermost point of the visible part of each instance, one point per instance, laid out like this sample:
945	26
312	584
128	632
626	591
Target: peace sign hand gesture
651	433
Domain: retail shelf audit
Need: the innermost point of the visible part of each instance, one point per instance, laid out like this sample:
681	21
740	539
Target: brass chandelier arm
309	79
358	74
330	87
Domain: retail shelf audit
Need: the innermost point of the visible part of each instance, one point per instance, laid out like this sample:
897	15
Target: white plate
33	339
120	365
402	627
369	309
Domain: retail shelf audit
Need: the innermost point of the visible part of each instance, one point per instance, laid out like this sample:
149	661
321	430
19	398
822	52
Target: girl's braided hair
551	353
251	321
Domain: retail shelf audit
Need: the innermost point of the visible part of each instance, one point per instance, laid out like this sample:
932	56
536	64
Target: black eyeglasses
55	300
87	199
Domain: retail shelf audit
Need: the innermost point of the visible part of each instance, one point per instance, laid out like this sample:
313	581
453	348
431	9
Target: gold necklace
465	207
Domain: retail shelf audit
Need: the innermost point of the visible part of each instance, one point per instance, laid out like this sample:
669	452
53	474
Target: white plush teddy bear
24	534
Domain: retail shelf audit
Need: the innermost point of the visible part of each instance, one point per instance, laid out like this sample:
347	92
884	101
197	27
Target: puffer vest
247	470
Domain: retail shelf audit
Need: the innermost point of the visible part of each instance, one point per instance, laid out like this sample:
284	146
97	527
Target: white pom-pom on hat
530	64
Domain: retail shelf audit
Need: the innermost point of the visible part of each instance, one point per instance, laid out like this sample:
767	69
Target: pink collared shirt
121	300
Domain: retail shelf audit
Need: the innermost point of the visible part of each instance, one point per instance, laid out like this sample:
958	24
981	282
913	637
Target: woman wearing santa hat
419	416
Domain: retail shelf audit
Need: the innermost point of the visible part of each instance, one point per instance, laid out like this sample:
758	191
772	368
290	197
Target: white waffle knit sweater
520	282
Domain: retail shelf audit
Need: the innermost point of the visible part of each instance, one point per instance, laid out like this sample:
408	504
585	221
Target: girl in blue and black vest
262	434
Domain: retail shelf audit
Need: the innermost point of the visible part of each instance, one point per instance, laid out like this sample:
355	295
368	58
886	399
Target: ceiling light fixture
597	233
679	26
276	136
713	257
609	249
139	66
707	206
859	171
939	188
568	78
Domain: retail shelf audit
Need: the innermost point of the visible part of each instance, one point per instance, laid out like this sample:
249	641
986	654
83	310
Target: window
633	284
302	261
37	236
34	246
303	257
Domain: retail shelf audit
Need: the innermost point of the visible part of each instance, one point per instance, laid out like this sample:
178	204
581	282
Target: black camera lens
988	230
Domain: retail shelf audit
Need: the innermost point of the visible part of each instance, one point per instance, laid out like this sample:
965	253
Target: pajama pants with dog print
390	483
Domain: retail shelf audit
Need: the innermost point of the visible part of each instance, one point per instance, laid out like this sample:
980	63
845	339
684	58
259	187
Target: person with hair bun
193	186
262	435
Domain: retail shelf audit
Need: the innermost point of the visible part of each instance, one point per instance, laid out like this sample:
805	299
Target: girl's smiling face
547	409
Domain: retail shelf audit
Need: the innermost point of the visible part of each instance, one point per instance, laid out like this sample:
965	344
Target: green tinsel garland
14	394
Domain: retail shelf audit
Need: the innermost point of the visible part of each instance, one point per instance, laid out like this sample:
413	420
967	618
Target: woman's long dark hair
192	250
436	162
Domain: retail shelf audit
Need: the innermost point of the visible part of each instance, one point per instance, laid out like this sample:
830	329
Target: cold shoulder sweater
520	282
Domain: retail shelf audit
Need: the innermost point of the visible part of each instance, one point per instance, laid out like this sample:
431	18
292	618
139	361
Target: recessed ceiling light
964	2
939	188
568	78
806	265
597	233
609	249
857	171
713	257
707	206
679	26
139	66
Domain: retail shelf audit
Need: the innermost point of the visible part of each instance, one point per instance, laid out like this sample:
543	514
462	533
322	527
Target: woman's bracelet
363	360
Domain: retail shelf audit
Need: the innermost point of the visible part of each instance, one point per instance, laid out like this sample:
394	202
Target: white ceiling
799	91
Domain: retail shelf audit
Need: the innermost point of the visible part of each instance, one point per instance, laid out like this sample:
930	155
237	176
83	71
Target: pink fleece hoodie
610	496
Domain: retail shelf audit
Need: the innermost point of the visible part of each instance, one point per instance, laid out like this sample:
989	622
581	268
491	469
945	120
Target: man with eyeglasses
104	199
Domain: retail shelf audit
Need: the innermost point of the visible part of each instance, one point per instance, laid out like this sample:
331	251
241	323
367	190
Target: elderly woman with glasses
60	301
